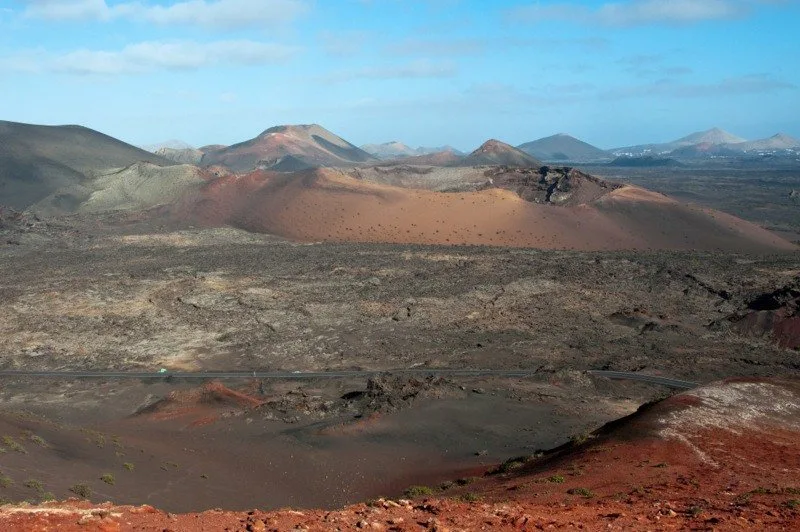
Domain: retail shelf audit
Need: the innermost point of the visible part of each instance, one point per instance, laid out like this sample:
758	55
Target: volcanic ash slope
326	204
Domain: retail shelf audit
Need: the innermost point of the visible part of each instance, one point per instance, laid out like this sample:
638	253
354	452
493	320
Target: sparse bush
581	438
510	465
129	466
470	497
5	481
48	496
417	491
466	480
694	511
81	490
38	440
583	492
108	478
555	479
14	445
34	484
446	485
661	465
98	438
793	504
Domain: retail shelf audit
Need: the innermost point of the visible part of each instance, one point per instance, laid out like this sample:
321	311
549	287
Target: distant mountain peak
494	146
714	135
288	147
563	147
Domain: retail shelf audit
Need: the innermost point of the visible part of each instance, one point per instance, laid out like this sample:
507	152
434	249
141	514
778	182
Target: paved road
652	379
421	372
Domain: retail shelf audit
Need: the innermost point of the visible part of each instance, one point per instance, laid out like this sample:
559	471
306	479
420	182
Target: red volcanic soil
311	145
327	205
201	405
776	314
494	152
721	457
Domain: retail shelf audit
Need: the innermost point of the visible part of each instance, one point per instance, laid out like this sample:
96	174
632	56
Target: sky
424	72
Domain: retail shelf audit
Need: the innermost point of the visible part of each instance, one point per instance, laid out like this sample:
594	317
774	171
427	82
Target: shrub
34	484
5	481
510	465
417	491
108	478
583	492
38	440
14	445
470	497
81	490
556	479
129	466
583	437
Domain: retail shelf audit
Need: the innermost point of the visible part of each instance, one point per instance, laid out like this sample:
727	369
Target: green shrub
38	440
581	438
5	481
13	445
81	490
108	478
470	497
510	465
583	492
129	466
556	479
417	491
34	484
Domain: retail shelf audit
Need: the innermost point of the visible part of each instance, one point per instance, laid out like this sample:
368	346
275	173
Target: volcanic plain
370	268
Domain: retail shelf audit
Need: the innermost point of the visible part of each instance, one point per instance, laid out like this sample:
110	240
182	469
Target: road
419	372
652	379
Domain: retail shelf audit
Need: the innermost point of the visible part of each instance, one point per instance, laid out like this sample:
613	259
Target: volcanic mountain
563	147
398	150
181	155
711	136
289	148
172	144
136	187
37	160
390	150
493	152
557	209
780	141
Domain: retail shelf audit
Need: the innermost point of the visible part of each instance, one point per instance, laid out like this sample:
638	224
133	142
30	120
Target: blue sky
426	72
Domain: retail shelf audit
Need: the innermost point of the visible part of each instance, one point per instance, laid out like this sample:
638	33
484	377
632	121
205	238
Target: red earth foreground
721	457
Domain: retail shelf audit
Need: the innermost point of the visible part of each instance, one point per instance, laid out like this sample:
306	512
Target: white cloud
637	12
149	56
208	13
